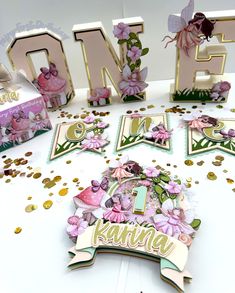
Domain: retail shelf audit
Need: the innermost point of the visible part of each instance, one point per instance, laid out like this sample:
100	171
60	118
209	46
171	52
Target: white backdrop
64	14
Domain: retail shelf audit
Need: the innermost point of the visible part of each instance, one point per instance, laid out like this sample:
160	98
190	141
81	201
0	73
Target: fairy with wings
190	31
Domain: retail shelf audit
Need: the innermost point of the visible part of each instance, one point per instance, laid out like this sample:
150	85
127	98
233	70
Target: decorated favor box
23	113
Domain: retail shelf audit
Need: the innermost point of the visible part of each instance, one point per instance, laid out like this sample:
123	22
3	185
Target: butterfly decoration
103	185
190	31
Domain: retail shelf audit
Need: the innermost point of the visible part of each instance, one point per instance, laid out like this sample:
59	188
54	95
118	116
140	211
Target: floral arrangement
167	207
133	79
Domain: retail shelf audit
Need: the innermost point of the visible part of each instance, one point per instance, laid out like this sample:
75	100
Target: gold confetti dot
18	230
75	180
200	163
188	162
50	194
37	175
211	176
8	181
31	207
189	179
29	198
196	182
233	189
68	162
232	110
46	180
28	154
217	163
49	184
225	171
219	158
57	178
80	188
230	181
63	191
47	204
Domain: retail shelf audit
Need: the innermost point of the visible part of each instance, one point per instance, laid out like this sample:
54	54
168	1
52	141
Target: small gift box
23	113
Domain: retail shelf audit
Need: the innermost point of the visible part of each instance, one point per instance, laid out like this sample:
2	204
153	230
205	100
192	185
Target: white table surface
35	260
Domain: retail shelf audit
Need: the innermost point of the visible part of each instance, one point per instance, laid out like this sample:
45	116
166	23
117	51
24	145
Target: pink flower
78	227
89	119
186	239
173	221
136	115
173	187
94	141
151	172
228	135
122	31
146	183
102	124
120	168
133	82
134	53
225	86
158	133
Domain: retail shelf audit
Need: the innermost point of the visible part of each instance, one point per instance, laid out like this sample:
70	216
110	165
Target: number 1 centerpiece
134	210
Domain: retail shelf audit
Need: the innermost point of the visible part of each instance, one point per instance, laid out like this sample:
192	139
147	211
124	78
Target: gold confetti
47	204
200	163
28	154
46	180
50	194
63	191
150	106
189	179
217	163
18	230
219	158
57	178
196	182
8	181
68	162
29	198
75	180
232	110
80	188
37	175
188	162
49	184
31	207
211	176
230	181
233	189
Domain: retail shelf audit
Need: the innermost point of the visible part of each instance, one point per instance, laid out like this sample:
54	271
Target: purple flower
77	227
228	135
94	141
102	124
174	221
89	119
133	82
134	53
173	187
122	31
151	172
225	86
158	133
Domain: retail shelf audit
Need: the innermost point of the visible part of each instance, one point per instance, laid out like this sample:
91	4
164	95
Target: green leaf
138	63
172	196
132	67
133	36
158	189
196	224
178	181
158	211
138	45
121	42
156	180
143	176
145	51
128	59
163	197
165	178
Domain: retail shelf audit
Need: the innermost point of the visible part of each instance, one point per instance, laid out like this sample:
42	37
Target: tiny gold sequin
200	163
29	198
188	162
230	181
233	189
28	154
219	158
189	179
217	163
31	207
50	194
196	182
46	180
80	188
37	175
232	110
63	191
49	184
211	176
18	230
75	180
8	181
47	204
57	178
68	162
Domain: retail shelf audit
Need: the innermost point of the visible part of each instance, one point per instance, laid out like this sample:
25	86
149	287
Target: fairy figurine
190	31
119	205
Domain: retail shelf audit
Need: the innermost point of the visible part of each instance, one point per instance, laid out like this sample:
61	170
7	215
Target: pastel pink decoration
173	221
94	141
134	53
89	119
198	124
90	198
101	57
100	96
102	125
79	227
152	172
173	187
41	40
158	133
119	169
186	239
116	215
19	121
133	82
121	31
